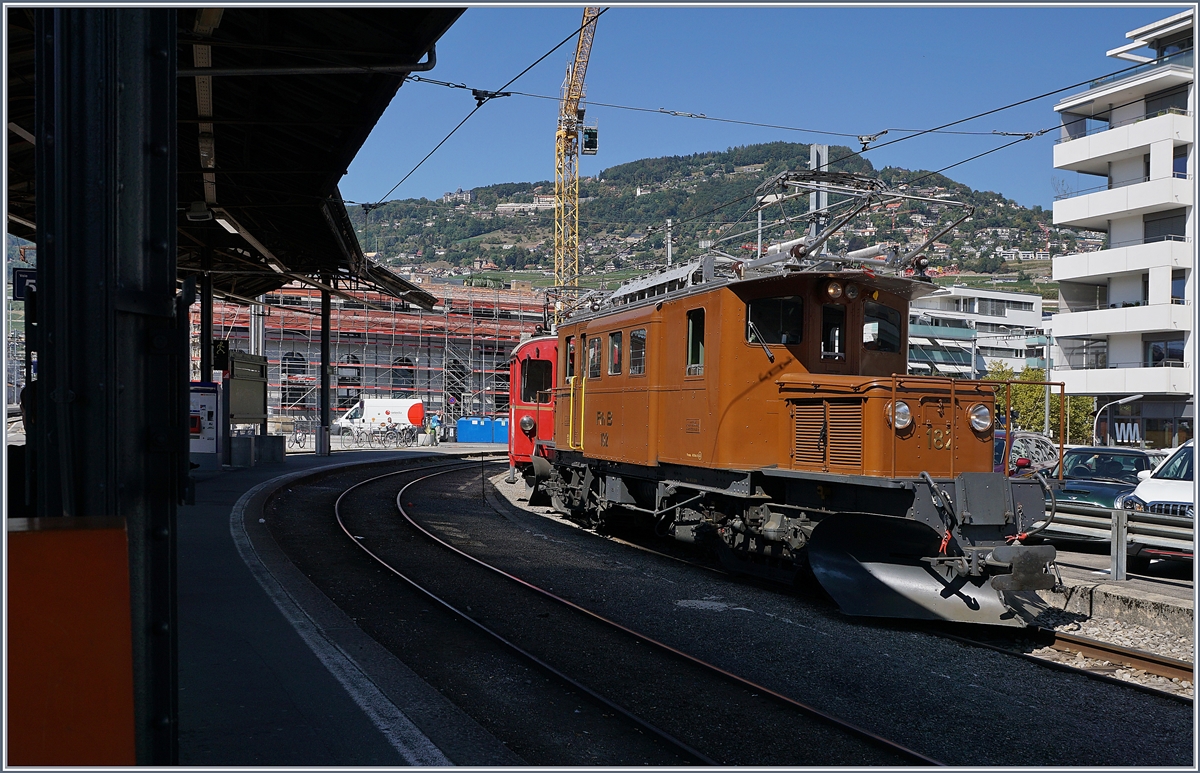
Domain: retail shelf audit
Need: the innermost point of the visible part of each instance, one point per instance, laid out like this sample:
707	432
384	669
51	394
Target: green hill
622	202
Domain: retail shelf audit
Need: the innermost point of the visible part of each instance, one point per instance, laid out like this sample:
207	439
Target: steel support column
206	314
111	397
326	413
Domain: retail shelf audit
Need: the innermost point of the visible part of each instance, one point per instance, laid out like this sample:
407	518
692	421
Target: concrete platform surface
271	672
1161	598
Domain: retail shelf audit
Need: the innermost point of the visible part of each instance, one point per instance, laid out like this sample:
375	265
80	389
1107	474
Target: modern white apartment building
945	328
1125	325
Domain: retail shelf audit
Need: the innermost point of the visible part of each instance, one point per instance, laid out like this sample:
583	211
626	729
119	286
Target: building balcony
1128	380
1092	152
1125	87
1093	208
1136	257
1158	318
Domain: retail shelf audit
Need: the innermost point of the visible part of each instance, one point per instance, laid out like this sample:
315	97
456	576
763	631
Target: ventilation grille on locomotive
828	435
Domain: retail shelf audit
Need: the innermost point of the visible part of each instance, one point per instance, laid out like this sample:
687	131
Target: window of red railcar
614	354
536	381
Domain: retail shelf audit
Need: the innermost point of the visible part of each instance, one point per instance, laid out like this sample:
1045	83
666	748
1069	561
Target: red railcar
532	375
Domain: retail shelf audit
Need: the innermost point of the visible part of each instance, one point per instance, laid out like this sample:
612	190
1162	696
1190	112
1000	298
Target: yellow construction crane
566	164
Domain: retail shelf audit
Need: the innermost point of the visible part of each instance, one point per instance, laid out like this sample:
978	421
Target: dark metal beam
111	383
385	69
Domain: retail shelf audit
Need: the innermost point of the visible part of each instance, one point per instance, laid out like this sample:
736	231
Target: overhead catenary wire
482	97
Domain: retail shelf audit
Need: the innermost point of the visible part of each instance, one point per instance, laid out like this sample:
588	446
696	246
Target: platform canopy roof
273	104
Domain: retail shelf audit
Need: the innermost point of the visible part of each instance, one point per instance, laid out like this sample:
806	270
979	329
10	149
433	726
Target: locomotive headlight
981	417
900	417
834	289
526	424
851	291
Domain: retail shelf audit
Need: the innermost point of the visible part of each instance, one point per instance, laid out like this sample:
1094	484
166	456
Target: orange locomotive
761	413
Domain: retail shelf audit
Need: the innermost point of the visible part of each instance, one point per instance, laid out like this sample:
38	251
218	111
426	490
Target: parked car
1030	453
1167	490
1099	475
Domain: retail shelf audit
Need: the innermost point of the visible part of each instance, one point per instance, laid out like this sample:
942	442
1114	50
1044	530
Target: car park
1099	475
1168	489
1029	453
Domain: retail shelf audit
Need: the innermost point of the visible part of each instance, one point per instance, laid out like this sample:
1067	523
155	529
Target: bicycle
353	436
299	436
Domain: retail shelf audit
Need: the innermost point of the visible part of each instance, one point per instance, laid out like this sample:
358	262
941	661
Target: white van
375	411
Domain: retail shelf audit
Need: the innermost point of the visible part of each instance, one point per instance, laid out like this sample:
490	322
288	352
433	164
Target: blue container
475	429
500	430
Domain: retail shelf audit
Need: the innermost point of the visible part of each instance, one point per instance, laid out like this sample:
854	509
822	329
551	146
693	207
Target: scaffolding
455	357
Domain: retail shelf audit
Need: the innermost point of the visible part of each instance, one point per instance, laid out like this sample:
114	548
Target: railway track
1149	662
759	706
1101	656
888	679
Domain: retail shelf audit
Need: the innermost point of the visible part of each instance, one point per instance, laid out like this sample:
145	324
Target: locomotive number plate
938	438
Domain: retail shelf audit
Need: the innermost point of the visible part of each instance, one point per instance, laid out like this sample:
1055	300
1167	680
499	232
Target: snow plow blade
871	566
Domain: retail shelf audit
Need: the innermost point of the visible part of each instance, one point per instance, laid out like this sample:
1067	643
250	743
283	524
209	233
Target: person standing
435	424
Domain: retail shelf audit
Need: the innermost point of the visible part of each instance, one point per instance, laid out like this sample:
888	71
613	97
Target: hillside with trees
624	209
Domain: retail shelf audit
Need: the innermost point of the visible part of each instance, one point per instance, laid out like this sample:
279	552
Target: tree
1029	401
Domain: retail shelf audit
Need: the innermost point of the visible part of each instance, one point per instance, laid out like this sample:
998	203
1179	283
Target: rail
1122	528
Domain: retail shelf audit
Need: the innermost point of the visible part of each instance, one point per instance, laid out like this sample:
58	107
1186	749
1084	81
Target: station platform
1163	598
271	672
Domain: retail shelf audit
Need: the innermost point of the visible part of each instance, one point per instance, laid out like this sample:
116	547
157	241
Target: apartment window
593	354
570	358
775	320
1178	284
614	354
1165	100
1165	352
1179	162
695	342
1163	226
637	352
989	307
1019	305
881	328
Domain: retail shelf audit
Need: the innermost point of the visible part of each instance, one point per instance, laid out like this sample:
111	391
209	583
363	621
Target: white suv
1168	489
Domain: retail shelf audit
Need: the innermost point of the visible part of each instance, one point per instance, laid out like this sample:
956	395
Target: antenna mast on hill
566	164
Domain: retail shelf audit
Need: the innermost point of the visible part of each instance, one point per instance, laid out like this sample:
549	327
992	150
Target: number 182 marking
939	439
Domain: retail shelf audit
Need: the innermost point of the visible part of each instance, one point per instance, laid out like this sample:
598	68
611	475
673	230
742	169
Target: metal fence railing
1122	528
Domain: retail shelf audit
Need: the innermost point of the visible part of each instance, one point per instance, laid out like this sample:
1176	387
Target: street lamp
1096	421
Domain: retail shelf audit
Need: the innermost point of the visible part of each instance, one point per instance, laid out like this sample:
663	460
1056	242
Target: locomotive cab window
833	332
637	352
535	381
593	357
775	320
614	354
881	328
569	358
695	342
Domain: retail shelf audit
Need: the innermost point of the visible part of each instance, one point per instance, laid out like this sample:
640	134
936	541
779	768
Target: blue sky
840	69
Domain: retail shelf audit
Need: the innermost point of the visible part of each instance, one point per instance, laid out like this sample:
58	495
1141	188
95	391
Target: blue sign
23	278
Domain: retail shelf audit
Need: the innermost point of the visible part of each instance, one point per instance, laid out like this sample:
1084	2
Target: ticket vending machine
204	423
